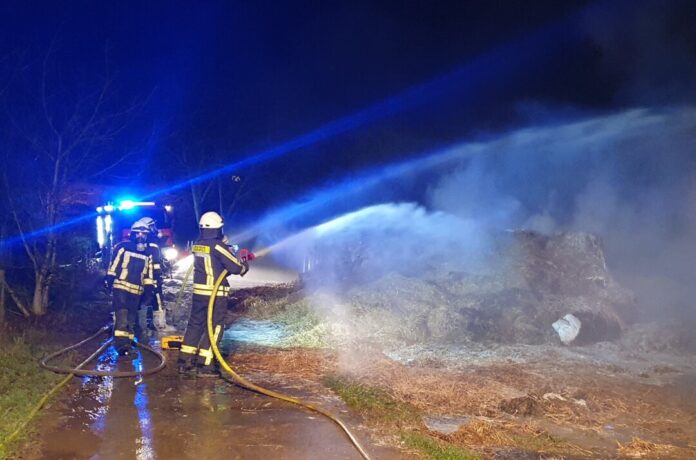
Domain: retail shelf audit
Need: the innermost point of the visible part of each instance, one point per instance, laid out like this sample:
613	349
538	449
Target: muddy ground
534	404
170	416
608	400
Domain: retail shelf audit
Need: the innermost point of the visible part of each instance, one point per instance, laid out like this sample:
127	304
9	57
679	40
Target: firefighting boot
141	334
209	371
186	366
127	352
123	333
150	320
142	321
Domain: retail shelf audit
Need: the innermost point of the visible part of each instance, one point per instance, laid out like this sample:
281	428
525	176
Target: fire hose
78	370
53	391
95	373
119	374
250	386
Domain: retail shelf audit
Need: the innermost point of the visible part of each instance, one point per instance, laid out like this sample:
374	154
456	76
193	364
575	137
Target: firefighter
211	257
130	271
151	303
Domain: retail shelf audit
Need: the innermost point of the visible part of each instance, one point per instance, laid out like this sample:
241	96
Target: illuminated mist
628	177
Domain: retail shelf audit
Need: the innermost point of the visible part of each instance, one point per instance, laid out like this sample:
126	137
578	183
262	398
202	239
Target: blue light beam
362	183
486	69
493	66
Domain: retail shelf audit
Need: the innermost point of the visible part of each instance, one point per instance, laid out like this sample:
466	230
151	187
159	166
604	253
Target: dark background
222	81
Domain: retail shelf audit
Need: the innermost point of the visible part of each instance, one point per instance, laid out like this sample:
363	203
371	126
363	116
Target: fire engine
114	221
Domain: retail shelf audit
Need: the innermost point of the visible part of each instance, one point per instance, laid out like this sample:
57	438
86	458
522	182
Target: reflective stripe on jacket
211	257
130	269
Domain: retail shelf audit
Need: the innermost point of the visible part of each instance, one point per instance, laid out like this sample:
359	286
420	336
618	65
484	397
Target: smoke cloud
629	177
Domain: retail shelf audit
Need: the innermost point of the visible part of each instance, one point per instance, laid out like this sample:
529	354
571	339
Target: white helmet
148	222
211	220
139	226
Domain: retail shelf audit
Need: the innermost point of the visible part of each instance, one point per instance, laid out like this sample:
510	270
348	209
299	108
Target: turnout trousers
151	298
196	345
150	301
125	308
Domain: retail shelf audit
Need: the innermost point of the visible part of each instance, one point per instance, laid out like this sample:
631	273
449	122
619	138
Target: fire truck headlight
100	231
170	253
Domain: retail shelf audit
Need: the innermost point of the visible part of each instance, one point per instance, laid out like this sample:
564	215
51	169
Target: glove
108	284
246	255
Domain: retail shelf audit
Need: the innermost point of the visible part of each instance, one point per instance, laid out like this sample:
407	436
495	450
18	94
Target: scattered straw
481	433
639	448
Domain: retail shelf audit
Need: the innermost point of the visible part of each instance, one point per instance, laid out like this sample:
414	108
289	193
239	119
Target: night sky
227	79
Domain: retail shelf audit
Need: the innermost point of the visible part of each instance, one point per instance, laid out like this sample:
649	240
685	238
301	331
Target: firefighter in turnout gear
151	303
211	257
130	271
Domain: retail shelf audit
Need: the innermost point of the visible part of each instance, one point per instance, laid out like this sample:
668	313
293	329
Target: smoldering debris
531	282
547	277
627	177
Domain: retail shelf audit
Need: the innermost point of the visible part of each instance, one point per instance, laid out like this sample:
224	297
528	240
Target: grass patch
377	405
372	402
22	384
301	324
304	328
525	437
268	302
436	449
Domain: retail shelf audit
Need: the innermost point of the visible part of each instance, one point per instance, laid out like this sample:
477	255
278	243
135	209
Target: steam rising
628	177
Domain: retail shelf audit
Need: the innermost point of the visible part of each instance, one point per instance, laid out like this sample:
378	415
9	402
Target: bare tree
192	158
213	185
235	191
62	132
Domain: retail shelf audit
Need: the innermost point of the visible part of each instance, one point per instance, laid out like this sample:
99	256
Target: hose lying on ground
250	386
96	373
72	372
55	389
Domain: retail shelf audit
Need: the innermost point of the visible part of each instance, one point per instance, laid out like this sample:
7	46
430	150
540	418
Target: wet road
173	417
169	416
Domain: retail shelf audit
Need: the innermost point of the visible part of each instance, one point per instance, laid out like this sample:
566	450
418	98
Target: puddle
445	425
260	332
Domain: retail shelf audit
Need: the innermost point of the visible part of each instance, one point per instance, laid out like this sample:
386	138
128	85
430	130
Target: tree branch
89	123
13	209
17	300
44	102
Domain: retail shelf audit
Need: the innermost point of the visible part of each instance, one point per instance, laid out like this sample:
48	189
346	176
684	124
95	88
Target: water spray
495	64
